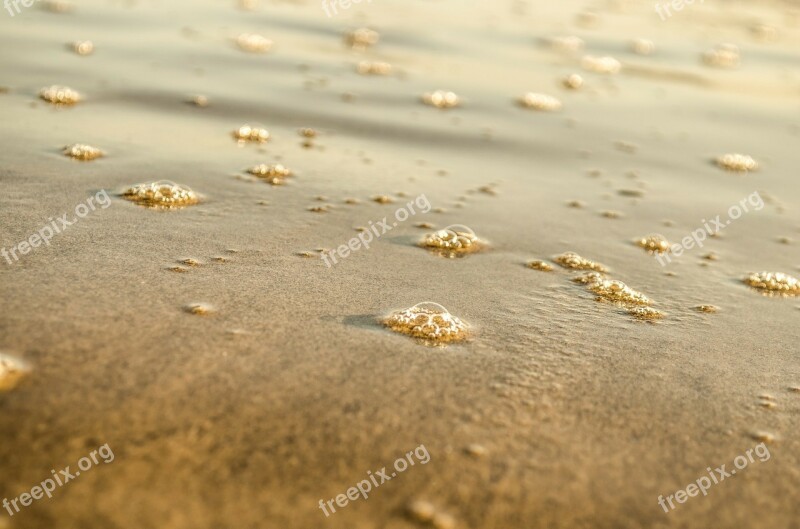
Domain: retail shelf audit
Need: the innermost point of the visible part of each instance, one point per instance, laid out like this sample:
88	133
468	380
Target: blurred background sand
290	392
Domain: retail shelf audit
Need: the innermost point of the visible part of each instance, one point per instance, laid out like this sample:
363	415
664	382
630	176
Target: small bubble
441	99
374	68
60	95
626	146
723	56
606	65
424	225
200	101
82	152
708	309
612	214
361	38
253	43
572	81
569	44
740	163
476	450
576	262
764	437
12	371
382	199
161	195
178	269
643	46
199	309
307	132
429	322
541	102
82	47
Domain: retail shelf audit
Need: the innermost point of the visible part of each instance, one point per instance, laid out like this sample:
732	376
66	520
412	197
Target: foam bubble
253	43
60	95
12	370
80	151
453	241
361	38
430	322
654	243
576	262
274	174
607	65
542	102
252	134
774	283
161	195
541	266
441	99
740	163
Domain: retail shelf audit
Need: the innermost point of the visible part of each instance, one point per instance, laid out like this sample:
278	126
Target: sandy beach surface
560	411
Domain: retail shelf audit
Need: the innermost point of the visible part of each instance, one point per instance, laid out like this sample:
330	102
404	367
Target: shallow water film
383	264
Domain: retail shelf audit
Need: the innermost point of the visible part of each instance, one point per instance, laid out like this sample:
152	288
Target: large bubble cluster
161	195
429	322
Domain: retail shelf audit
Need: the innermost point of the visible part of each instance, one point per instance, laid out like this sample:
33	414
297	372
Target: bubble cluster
740	163
361	38
374	68
453	241
161	195
12	370
252	134
576	262
80	151
569	44
59	95
430	322
774	283
654	244
617	292
607	65
543	102
253	43
723	56
441	99
274	174
542	266
645	313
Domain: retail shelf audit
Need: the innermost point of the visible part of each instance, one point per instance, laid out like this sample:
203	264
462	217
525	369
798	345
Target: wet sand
290	391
